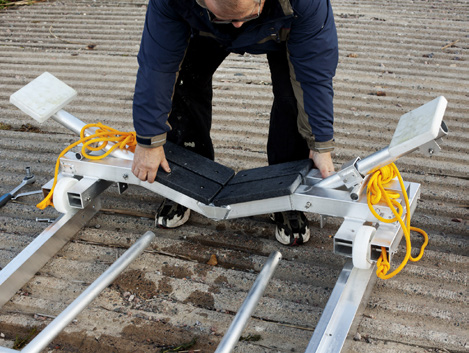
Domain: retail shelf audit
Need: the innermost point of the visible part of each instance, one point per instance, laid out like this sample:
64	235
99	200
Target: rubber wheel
361	248
60	198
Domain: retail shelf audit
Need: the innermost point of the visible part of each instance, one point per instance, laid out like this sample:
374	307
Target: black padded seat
193	175
264	183
210	182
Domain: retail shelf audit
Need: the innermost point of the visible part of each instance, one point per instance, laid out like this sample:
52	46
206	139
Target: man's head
236	12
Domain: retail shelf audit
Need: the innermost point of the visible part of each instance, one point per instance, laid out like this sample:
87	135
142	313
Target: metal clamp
350	174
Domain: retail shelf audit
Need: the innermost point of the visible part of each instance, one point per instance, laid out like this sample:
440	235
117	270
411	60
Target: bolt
125	176
48	220
430	151
308	205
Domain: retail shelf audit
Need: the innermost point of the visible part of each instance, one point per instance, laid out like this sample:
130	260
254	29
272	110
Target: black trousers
191	115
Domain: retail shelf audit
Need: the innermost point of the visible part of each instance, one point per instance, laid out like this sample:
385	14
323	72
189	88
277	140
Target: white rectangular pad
418	127
43	97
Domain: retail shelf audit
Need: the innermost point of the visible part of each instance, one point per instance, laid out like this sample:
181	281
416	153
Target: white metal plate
418	127
43	97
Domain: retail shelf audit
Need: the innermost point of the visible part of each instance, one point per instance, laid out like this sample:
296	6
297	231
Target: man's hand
146	163
323	161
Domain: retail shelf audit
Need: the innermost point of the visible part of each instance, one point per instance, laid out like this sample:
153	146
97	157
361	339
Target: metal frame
308	197
340	195
353	285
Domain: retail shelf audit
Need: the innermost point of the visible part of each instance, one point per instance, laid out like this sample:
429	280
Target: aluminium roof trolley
214	191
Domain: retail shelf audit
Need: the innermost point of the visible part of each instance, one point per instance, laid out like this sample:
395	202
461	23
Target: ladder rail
347	299
85	298
32	258
231	337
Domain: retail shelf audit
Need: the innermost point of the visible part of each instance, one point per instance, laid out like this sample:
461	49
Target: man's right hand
146	163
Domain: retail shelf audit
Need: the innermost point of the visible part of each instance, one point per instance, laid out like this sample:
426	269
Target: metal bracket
122	187
68	168
83	192
350	174
431	148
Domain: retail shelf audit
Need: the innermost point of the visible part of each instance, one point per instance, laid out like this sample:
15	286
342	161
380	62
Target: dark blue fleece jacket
307	26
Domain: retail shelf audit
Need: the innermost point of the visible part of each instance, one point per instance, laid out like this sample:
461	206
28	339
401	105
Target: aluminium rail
231	337
85	298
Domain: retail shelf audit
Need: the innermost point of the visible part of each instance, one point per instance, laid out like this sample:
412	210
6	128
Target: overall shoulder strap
286	7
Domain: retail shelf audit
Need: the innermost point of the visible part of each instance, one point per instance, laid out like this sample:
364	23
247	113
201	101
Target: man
184	42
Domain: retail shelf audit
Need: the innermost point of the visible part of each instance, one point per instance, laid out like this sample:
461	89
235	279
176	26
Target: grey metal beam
23	267
348	296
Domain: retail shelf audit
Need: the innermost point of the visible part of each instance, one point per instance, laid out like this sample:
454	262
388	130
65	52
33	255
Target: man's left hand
323	161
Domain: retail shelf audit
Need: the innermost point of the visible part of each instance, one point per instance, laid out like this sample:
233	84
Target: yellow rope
375	193
95	142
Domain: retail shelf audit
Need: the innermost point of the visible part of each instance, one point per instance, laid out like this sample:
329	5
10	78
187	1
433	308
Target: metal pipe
384	157
69	121
64	318
331	182
247	308
375	160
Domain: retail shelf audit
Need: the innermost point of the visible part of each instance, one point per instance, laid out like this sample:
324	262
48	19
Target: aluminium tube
90	293
69	121
247	308
386	156
375	160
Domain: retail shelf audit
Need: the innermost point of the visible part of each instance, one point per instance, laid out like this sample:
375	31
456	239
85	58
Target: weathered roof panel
394	57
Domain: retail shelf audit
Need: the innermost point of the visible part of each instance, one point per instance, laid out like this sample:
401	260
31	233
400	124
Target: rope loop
94	138
376	193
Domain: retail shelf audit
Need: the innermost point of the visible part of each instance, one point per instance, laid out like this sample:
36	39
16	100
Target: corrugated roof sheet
411	52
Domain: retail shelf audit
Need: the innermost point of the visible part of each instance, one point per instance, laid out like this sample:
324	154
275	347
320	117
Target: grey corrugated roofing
411	51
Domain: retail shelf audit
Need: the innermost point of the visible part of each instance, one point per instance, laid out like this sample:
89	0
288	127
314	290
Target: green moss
4	126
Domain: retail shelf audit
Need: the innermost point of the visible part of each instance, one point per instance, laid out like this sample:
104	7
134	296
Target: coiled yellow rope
97	141
376	193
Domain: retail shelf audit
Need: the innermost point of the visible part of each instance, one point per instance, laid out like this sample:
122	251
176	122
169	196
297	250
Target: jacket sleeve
164	41
313	57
